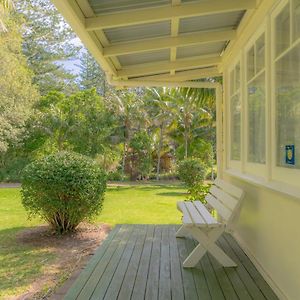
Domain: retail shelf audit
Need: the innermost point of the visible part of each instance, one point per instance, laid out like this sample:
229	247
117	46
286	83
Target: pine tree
48	41
91	75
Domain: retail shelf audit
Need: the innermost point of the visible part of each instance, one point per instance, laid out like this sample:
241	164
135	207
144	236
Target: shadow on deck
145	262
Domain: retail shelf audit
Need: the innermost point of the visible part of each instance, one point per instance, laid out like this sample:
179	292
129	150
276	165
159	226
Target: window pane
288	106
260	53
237	77
231	83
235	128
250	64
282	33
256	120
296	19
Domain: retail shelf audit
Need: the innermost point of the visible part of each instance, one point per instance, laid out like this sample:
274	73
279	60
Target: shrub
192	171
63	189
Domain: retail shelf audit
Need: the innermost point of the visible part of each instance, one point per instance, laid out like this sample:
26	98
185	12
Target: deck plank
139	289
176	276
116	281
190	291
145	262
257	277
252	288
100	269
135	260
117	265
153	275
164	291
91	265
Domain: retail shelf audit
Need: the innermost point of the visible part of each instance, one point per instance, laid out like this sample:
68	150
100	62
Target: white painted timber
169	42
204	227
180	64
150	15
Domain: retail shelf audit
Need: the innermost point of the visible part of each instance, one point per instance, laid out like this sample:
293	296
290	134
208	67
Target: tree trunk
124	160
160	145
185	143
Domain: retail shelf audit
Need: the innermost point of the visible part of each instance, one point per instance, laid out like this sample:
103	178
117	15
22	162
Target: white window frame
257	169
282	174
234	164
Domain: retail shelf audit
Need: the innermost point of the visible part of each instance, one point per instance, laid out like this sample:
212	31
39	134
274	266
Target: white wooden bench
199	222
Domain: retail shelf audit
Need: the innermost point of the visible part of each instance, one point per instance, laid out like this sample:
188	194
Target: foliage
48	43
198	192
63	189
17	92
91	75
140	144
192	171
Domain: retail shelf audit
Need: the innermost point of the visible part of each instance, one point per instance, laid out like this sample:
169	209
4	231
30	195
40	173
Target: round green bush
64	189
192	171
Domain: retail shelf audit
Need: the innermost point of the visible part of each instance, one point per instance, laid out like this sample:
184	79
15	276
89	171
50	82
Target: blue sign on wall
290	154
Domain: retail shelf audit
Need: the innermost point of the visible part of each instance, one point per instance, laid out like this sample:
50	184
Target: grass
21	264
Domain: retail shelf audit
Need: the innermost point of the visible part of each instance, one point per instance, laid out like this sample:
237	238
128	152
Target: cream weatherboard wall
261	83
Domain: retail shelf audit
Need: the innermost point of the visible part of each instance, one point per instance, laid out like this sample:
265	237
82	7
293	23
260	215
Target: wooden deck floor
145	262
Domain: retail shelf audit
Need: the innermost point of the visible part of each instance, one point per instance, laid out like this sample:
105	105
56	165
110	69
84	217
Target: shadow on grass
172	194
20	264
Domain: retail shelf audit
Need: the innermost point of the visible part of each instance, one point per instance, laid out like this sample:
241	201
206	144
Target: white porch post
219	129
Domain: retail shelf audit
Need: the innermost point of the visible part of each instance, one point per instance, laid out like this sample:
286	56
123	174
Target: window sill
273	185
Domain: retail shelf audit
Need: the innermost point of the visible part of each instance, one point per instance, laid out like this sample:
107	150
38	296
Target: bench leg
207	243
181	232
192	260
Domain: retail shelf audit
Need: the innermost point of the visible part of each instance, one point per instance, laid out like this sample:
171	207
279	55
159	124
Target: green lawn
20	265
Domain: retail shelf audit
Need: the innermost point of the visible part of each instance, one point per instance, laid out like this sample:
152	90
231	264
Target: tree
140	145
161	111
79	122
191	114
48	42
17	92
128	106
91	75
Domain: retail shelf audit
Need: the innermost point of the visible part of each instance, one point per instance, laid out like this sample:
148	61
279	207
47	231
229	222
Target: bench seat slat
209	219
224	197
222	210
186	219
195	215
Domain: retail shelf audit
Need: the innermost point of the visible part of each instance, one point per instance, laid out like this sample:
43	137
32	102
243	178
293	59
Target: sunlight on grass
21	264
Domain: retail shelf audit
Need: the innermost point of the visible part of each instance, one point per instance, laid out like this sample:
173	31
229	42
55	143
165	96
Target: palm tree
191	104
127	105
162	113
5	7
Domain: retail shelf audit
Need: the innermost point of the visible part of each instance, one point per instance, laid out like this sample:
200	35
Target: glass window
235	127
296	11
282	30
260	53
250	64
256	120
287	89
235	110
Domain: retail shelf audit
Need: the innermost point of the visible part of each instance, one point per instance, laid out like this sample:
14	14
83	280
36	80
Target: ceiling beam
174	32
163	13
168	42
165	66
183	75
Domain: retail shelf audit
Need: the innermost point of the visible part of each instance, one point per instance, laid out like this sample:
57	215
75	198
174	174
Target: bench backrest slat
224	197
229	188
222	210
